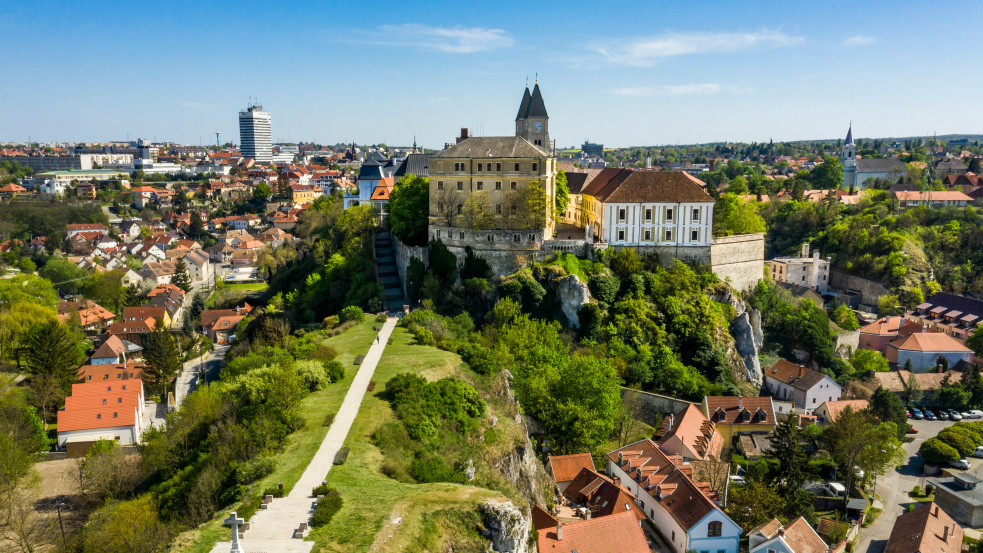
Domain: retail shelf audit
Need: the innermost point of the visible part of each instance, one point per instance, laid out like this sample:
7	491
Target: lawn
382	514
301	445
224	292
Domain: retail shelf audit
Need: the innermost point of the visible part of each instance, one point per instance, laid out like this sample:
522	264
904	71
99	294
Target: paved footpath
271	530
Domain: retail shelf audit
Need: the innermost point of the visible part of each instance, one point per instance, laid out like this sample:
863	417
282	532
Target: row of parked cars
943	414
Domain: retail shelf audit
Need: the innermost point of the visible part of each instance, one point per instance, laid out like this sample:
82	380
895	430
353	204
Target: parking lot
241	273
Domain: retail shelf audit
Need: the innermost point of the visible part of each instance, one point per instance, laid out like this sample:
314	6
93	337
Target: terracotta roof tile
566	467
729	410
926	529
618	533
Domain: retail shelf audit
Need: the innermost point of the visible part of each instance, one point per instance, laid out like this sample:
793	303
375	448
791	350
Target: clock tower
532	122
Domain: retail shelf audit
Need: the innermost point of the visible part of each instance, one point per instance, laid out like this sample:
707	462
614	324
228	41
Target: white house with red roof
797	537
925	349
684	511
102	410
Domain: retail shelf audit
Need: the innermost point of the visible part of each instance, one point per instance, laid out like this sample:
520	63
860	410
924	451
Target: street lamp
64	542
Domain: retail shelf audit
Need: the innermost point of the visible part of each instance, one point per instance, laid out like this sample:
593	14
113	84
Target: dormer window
719	414
760	415
745	415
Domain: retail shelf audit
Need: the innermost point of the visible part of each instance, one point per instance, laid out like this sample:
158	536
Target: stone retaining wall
739	259
655	404
869	290
403	254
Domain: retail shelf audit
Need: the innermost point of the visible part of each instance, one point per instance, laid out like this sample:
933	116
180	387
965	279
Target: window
648	235
480	165
460	185
498	185
621	236
514	185
513	209
535	167
673	535
515	237
668	214
498	167
103	402
694	235
668	235
622	214
481	185
98	415
440	185
696	214
440	208
516	166
813	400
488	166
498	209
459	208
648	213
715	529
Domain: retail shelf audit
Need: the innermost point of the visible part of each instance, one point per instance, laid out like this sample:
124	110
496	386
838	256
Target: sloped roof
922	531
493	146
537	108
542	519
727	410
885	165
618	533
834	408
112	348
694	430
929	342
566	467
892	326
414	164
654	187
605	182
524	104
584	484
931	196
796	376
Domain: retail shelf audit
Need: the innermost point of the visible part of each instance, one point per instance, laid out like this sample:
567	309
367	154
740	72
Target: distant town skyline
618	75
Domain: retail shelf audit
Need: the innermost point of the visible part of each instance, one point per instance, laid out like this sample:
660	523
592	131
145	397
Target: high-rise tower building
255	135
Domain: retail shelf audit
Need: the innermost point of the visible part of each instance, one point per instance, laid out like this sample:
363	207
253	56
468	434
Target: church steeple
849	135
532	121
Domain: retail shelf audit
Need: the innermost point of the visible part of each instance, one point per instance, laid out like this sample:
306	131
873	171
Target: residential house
130	228
144	312
684	511
98	228
113	372
86	190
805	270
10	190
100	410
91	315
172	300
934	199
219	324
950	167
274	237
925	529
804	293
619	533
690	435
734	414
304	193
200	268
929	383
563	468
878	334
111	352
804	387
600	495
961	497
957	316
797	537
828	411
923	351
283	221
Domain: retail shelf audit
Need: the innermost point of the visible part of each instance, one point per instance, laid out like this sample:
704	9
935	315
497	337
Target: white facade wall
727	542
128	435
824	390
922	361
657	224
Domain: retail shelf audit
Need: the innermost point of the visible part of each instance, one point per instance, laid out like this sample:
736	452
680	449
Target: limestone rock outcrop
506	526
571	293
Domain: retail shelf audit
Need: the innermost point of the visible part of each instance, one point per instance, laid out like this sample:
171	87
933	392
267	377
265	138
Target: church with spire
532	122
860	173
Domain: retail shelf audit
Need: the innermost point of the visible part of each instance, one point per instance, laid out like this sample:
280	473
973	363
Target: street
210	364
893	487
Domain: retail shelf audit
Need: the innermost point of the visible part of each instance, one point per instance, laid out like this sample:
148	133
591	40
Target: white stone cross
235	522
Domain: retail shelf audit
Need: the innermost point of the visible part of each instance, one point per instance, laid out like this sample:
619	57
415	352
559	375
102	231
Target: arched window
715	529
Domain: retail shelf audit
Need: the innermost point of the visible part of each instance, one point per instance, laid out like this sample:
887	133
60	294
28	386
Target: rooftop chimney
559	531
802	372
945	533
464	134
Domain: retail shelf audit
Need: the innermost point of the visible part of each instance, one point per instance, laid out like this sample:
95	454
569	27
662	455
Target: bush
253	469
381	318
359	359
328	419
331	322
917	491
936	452
351	313
335	371
481	359
341	456
313	374
326	509
970	434
958	441
275	491
428	468
604	287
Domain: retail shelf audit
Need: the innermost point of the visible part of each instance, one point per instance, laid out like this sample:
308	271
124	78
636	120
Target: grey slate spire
524	106
537	108
849	135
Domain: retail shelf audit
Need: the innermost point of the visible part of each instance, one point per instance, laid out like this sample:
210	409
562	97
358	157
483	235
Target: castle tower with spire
848	156
532	121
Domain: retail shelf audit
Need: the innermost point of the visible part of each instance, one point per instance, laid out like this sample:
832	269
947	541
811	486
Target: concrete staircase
385	260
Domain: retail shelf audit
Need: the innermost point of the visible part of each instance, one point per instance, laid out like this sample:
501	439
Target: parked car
976	414
942	414
917	414
907	413
929	416
954	415
912	430
978	452
960	464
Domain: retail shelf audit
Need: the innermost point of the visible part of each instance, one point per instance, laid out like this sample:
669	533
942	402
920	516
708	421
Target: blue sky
621	73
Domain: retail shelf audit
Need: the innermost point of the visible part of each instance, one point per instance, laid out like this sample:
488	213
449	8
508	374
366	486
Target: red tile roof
756	411
931	196
100	405
566	467
693	430
926	529
834	408
929	342
618	533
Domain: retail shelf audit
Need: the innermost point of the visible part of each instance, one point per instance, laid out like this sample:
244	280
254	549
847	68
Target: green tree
476	212
975	342
534	205
67	277
936	452
160	359
625	262
127	527
443	263
868	360
51	349
844	318
196	229
828	175
181	278
858	440
887	407
913	389
754	504
409	207
107	289
262	192
786	449
197	306
732	216
562	198
889	306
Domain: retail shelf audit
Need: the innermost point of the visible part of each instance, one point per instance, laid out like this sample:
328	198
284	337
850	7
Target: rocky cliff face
571	293
506	526
747	340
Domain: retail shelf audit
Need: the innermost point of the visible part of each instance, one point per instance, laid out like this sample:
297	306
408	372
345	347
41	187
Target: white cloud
454	40
681	90
651	50
859	40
